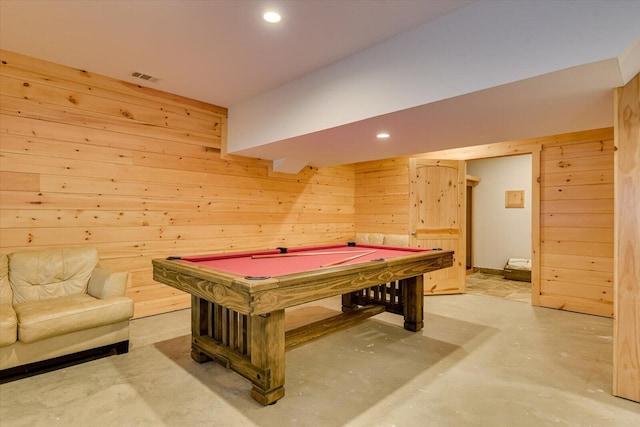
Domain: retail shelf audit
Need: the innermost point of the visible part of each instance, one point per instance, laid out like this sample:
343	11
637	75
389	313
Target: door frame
472	181
507	150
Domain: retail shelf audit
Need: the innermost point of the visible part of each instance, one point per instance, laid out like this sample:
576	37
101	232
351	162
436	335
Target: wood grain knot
218	292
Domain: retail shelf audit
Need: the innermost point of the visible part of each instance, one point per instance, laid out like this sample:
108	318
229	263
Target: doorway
499	227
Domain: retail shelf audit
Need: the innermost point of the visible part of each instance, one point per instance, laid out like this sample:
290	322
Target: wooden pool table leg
267	352
198	327
414	303
348	303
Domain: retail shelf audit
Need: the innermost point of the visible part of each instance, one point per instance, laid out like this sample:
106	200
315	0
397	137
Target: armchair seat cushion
48	318
8	325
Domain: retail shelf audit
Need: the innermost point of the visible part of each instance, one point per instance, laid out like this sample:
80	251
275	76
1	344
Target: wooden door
437	211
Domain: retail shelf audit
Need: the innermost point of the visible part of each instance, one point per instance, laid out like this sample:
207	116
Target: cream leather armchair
57	303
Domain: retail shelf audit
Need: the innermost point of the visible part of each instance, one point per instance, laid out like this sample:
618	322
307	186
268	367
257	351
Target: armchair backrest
50	273
383	239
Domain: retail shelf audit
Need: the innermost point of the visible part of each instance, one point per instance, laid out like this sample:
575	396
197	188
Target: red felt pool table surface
273	263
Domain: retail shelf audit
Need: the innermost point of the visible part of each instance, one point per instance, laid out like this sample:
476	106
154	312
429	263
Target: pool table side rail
197	281
340	280
263	296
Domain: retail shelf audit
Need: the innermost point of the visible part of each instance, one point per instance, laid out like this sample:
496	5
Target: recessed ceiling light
383	135
272	17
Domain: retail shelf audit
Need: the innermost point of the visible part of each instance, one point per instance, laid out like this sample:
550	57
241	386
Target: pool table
239	299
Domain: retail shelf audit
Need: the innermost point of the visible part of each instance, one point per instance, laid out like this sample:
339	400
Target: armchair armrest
106	283
8	325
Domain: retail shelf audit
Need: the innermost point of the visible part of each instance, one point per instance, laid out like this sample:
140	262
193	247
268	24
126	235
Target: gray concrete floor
480	361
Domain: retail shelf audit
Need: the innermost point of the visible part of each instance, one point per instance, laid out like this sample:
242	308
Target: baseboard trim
36	368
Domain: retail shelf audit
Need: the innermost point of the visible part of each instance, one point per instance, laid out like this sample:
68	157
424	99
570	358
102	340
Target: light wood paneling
626	338
576	219
573	212
536	221
577	192
382	196
138	174
584	263
22	66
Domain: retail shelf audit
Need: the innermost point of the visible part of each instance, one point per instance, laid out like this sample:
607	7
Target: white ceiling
554	73
217	51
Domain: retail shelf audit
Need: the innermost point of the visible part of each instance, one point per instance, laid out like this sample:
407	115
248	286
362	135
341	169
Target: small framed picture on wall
514	199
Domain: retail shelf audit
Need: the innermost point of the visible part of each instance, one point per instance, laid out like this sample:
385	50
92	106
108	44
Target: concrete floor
480	361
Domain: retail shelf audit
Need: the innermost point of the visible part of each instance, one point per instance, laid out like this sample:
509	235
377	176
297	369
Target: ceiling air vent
144	76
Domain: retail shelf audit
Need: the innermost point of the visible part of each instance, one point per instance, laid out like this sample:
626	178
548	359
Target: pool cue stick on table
289	254
340	261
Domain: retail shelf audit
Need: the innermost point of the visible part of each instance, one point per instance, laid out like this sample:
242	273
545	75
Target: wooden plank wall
137	173
382	196
576	226
626	326
576	212
382	186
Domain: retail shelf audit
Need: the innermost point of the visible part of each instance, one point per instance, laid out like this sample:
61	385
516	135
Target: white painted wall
500	233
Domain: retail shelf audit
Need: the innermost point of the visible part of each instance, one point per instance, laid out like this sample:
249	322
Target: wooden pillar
626	334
